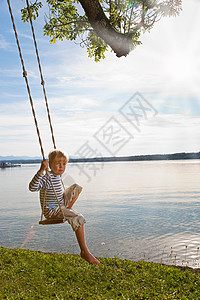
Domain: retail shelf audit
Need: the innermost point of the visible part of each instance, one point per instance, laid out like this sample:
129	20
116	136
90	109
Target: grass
26	274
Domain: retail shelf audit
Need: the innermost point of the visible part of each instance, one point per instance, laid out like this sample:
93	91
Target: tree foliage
100	24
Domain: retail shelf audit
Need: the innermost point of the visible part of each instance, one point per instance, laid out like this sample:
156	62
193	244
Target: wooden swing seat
52	221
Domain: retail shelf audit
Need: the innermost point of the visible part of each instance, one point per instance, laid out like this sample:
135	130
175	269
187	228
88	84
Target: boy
40	182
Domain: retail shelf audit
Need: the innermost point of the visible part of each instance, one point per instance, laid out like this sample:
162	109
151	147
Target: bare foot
89	258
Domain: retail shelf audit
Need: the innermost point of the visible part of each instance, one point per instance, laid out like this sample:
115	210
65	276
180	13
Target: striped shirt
38	183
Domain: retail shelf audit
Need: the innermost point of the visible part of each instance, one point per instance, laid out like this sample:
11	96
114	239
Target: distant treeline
174	156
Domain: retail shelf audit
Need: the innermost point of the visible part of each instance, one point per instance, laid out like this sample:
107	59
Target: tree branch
120	43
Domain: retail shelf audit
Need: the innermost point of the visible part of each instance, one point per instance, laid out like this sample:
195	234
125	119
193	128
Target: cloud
166	134
3	43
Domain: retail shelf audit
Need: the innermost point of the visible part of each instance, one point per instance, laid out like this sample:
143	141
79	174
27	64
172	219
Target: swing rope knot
24	73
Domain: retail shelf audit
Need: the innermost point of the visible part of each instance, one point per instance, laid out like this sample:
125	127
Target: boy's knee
76	188
71	192
77	221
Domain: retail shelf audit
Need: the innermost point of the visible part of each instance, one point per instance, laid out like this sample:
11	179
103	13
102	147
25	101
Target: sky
145	103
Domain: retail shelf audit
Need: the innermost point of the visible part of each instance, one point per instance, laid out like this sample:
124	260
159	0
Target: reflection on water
134	210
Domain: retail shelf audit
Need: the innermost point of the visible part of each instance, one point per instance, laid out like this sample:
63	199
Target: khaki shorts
74	218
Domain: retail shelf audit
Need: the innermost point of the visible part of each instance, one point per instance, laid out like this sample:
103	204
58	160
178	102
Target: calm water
134	210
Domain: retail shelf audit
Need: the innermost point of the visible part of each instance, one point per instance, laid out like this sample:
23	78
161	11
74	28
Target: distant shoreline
150	157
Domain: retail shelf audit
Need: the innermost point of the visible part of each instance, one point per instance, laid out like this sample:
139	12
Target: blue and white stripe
42	182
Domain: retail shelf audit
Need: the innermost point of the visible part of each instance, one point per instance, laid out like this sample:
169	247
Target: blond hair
57	155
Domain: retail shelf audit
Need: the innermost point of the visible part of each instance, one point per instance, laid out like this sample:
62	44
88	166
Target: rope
45	191
42	204
42	80
55	195
26	79
41	76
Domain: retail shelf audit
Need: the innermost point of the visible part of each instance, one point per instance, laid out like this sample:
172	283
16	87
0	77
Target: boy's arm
38	180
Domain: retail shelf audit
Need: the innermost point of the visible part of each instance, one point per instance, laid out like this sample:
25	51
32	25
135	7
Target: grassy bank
26	274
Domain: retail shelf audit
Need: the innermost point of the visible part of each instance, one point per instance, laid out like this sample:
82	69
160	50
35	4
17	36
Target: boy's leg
74	218
77	220
71	195
85	253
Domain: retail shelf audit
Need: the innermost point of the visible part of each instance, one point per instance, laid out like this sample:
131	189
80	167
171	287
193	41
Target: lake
134	210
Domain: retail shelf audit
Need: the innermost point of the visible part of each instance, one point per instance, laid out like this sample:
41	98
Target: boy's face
58	166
